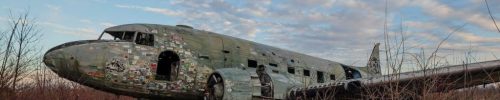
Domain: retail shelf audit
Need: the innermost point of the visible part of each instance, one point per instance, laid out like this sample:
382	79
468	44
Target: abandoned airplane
179	62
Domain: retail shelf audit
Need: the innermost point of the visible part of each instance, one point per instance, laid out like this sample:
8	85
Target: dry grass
63	92
45	85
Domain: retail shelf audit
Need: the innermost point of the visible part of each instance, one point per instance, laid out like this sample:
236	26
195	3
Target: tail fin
374	61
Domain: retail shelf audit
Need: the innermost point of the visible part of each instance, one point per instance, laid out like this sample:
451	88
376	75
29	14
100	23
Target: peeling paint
129	67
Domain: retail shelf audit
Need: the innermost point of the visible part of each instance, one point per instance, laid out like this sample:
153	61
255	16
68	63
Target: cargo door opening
168	66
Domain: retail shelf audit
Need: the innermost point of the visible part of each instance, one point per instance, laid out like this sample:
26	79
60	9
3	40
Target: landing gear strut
215	87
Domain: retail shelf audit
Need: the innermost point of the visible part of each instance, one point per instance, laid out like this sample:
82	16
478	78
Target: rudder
374	61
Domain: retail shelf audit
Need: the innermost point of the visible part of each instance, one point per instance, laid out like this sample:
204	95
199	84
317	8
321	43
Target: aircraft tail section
373	64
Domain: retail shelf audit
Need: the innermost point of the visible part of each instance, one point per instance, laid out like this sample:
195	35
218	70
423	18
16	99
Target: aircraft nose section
67	59
59	61
52	60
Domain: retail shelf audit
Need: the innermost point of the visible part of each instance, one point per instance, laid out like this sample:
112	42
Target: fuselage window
276	71
128	36
319	76
252	63
274	65
291	70
144	39
332	77
306	72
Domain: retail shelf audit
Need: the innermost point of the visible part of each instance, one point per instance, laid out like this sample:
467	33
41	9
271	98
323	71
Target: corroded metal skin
180	62
128	68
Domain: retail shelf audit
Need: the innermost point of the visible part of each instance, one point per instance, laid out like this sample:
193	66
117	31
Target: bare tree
21	51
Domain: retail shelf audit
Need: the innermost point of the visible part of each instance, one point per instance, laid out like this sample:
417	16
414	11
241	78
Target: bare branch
20	54
492	18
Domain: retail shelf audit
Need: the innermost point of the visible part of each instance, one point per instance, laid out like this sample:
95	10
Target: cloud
331	29
100	1
422	25
87	33
53	8
107	24
471	37
293	25
167	12
103	24
435	8
162	11
86	21
446	12
3	18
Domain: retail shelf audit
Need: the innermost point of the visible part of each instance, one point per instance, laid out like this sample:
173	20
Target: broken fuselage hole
168	66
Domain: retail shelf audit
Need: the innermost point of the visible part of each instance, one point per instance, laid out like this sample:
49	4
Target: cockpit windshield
137	37
128	36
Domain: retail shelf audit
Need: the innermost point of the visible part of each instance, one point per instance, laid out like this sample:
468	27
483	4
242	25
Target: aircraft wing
431	80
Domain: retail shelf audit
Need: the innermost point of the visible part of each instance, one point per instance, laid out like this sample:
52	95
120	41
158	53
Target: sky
339	30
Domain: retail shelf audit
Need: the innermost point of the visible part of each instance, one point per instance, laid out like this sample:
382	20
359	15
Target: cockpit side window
144	39
111	36
140	38
128	36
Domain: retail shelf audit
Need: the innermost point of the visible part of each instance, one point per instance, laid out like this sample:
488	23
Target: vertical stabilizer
374	61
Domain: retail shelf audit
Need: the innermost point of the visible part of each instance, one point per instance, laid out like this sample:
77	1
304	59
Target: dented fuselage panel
149	60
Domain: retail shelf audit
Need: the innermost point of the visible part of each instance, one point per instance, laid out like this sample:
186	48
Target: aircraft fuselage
150	61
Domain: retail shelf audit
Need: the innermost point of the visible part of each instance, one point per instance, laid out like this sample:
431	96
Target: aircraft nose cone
48	59
59	61
65	59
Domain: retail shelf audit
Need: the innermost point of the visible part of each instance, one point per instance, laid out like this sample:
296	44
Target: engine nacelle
245	84
229	84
